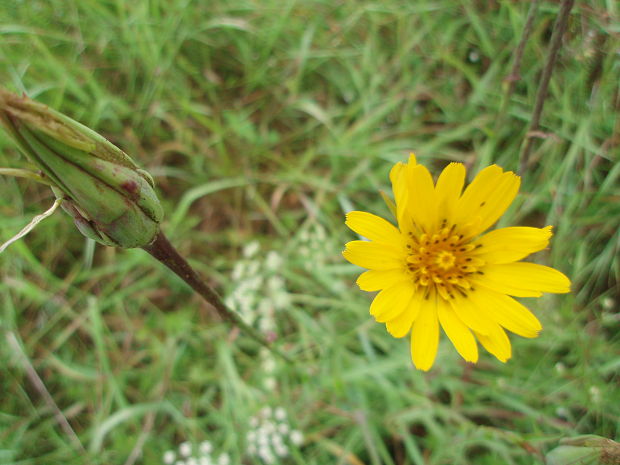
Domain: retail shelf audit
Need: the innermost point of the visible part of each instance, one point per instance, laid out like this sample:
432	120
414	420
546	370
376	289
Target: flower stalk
110	199
162	250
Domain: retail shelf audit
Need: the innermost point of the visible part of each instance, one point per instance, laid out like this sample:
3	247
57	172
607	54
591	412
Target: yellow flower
436	267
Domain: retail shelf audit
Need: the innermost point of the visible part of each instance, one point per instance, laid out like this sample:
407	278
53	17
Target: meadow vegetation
263	123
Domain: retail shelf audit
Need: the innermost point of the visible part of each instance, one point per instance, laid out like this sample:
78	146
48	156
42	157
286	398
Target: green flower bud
110	199
585	450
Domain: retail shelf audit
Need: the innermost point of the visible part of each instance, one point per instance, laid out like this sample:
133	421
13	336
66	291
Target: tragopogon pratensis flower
437	269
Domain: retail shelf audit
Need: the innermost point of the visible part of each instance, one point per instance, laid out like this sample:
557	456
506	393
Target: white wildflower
206	447
169	457
273	261
280	414
238	271
250	249
281	450
185	449
297	437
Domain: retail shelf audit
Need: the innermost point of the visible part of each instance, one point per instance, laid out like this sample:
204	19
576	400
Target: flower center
442	261
445	259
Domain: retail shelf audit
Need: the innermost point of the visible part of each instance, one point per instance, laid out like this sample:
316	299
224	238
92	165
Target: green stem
162	250
19	173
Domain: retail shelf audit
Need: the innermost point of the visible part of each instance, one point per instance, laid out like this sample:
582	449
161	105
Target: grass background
266	121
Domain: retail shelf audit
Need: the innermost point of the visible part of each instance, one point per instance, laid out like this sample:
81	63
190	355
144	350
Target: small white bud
269	365
273	261
266	455
169	457
276	440
269	383
266	325
250	249
238	271
263	438
224	459
297	437
185	449
275	283
281	450
280	414
206	447
269	427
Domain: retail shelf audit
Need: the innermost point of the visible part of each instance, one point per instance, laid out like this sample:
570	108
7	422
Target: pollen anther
440	261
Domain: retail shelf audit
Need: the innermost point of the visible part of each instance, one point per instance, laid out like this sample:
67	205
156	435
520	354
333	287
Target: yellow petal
470	315
457	332
496	342
373	255
507	245
425	336
400	326
524	277
448	190
395	173
375	280
391	302
422	203
488	281
499	201
486	199
373	227
506	311
401	193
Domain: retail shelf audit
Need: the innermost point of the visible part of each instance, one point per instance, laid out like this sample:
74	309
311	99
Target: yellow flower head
436	267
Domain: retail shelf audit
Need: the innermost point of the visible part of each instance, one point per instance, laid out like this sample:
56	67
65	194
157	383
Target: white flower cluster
316	250
271	435
259	289
202	455
312	245
268	368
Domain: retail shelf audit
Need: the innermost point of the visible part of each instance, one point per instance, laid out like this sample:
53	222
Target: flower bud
588	449
110	199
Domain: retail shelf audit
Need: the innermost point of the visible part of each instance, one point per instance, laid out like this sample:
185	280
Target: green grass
267	121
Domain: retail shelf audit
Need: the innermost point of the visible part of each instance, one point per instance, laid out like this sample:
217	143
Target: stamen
440	262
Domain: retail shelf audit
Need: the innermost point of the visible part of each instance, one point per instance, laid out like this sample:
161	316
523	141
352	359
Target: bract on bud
110	199
588	449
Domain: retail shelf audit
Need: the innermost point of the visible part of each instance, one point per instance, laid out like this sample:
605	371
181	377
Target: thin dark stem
515	72
164	251
556	42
